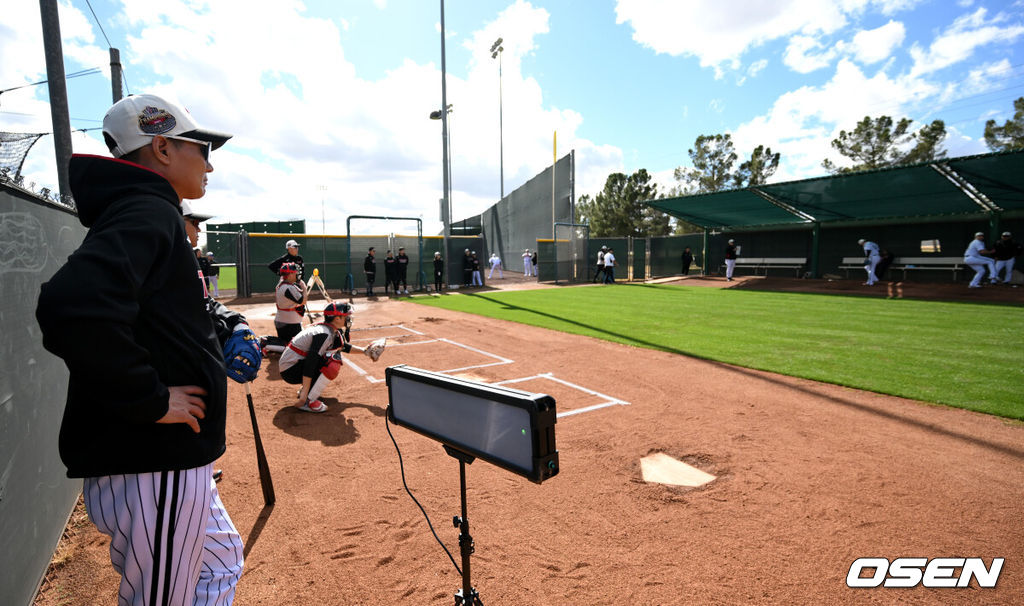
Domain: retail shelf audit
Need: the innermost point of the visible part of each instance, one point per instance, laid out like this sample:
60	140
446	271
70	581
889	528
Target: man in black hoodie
145	413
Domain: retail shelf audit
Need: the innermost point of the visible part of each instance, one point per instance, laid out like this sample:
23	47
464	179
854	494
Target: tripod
467	596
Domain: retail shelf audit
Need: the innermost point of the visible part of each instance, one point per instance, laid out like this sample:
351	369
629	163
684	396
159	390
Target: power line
124	78
84	72
98	24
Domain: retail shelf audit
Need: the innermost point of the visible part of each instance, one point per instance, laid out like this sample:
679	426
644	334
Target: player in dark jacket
730	259
291	256
1006	251
403	269
370	269
146	407
391	273
438	272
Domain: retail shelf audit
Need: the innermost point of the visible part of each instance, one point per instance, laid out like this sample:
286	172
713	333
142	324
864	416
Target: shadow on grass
886	414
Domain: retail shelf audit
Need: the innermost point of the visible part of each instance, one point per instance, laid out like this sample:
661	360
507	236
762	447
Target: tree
713	157
1011	134
619	210
877	143
758	169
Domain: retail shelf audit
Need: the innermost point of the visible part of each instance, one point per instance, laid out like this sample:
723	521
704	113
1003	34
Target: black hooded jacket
126	313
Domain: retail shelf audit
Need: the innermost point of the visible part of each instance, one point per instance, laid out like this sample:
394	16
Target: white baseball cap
132	123
979	234
186	211
293	243
1007	234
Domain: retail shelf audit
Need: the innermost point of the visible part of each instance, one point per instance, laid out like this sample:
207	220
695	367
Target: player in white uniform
871	258
290	297
309	359
527	263
495	263
973	257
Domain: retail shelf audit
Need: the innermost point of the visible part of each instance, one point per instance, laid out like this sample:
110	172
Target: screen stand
467	596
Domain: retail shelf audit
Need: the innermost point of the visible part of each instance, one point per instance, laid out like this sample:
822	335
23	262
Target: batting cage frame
569	251
421	277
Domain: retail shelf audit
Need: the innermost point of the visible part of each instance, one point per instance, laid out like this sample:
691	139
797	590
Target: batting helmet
288	268
337	310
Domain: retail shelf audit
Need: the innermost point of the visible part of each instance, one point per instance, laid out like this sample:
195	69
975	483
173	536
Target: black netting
13	149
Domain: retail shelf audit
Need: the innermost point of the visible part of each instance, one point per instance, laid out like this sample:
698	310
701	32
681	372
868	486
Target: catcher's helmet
337	310
288	268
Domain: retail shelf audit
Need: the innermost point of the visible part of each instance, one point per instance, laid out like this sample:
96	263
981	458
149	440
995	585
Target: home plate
663	469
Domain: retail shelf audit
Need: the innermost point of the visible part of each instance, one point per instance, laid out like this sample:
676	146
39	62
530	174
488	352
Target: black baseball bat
261	457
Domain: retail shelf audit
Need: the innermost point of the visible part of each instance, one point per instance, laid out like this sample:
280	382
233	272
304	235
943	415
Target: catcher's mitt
375	349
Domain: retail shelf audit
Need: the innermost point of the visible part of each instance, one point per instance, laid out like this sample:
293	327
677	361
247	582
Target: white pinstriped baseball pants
170	538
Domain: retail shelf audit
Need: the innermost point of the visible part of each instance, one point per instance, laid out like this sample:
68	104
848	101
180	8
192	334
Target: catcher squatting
312	358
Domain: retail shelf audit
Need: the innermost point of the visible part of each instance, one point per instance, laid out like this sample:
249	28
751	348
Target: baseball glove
242	355
375	349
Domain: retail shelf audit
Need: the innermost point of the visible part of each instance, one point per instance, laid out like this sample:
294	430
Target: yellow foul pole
554	155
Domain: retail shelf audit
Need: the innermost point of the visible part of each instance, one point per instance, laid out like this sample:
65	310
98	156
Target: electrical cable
109	45
84	72
401	467
98	24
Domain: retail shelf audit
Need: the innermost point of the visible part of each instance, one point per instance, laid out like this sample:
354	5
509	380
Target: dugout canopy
987	183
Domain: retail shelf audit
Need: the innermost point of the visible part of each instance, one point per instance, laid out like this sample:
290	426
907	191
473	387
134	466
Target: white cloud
718	33
802	123
804	55
961	39
368	141
872	46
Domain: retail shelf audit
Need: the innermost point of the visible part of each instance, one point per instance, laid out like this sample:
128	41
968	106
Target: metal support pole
58	92
444	152
815	249
115	75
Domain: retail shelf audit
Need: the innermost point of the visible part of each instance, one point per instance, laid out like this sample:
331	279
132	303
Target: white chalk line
609	400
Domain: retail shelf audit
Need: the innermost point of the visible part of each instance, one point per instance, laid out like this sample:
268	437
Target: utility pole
115	75
58	92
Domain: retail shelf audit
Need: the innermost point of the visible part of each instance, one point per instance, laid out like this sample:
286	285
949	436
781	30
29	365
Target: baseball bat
261	457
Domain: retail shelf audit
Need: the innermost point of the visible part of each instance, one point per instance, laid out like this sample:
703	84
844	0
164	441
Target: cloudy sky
329	99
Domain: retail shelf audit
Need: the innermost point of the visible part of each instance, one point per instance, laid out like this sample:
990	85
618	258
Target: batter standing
145	413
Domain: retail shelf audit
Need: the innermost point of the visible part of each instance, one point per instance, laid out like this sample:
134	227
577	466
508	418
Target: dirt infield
810	477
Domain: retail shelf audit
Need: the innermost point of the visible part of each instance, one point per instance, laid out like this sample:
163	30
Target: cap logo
153	121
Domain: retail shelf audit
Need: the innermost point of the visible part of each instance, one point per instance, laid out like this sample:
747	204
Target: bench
766	263
905	264
955	264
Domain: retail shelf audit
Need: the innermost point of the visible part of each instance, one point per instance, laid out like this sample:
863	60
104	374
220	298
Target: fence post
243	287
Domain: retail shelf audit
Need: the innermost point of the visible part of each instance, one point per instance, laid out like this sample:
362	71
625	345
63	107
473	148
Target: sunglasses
204	146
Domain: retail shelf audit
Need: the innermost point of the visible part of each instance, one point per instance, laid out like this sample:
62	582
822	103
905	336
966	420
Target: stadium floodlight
512	429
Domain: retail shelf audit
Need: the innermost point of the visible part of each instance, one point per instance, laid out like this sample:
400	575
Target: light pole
446	210
496	50
447	215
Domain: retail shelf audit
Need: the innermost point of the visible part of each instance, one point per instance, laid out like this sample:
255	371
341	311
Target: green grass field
228	278
964	355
